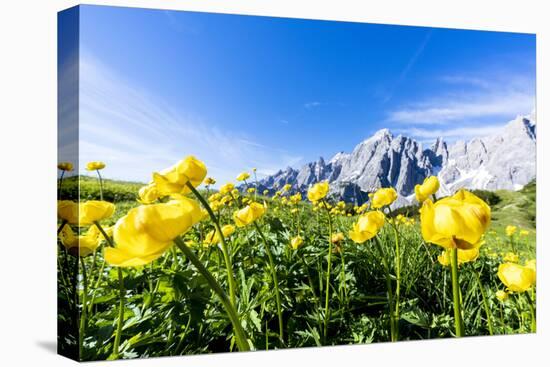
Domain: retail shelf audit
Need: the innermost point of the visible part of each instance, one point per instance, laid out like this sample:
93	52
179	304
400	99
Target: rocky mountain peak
382	133
504	160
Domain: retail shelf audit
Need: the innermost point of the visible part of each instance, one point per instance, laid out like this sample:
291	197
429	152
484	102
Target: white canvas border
28	82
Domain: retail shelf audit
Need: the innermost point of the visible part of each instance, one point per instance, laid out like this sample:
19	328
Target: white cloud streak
455	133
469	98
311	105
408	67
444	110
136	133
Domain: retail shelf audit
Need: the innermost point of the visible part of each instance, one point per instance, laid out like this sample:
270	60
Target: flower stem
315	298
100	185
275	282
225	249
60	184
485	302
240	334
83	314
343	285
329	267
533	314
397	277
457	307
121	294
393	323
95	283
120	320
502	319
61	226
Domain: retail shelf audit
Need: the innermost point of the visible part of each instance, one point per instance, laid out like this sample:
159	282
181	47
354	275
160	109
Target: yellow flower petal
147	231
383	197
318	191
94	166
429	187
367	226
458	221
173	180
248	214
515	277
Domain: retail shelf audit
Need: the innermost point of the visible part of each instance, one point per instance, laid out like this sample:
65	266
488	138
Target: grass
170	310
516	207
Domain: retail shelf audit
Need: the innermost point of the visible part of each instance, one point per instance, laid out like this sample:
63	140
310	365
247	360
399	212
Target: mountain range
504	160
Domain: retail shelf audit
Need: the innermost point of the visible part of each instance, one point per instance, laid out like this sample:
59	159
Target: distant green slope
508	207
114	191
516	207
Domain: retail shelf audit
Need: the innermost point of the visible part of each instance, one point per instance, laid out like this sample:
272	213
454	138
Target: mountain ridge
503	160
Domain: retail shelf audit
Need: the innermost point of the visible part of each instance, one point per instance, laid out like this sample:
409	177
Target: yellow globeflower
296	198
524	232
94	166
248	214
173	180
215	205
243	176
251	190
296	242
458	221
227	188
517	278
108	231
209	181
68	211
318	191
265	192
367	226
501	295
511	257
215	197
463	256
213	237
147	231
94	211
65	166
287	187
226	200
511	230
383	197
429	187
86	213
337	237
80	245
532	264
148	194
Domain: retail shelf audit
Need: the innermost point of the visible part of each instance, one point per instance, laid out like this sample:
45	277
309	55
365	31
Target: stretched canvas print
234	183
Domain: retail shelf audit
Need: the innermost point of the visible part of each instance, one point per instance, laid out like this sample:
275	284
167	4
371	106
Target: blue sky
241	91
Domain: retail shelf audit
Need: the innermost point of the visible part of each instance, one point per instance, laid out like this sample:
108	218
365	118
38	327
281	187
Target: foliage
171	310
113	191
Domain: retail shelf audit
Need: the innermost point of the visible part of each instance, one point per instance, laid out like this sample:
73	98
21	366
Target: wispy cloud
469	97
455	133
465	106
466	80
137	133
440	111
310	105
410	64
